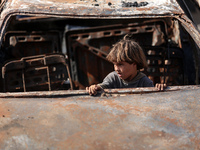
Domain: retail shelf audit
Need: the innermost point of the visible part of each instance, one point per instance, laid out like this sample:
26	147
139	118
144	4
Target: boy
128	58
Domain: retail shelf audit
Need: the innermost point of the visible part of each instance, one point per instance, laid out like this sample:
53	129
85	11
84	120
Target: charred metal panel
23	44
165	120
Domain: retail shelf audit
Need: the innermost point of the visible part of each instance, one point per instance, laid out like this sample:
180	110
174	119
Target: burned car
51	50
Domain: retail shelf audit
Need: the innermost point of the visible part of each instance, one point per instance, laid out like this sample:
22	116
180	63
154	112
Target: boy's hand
92	90
160	86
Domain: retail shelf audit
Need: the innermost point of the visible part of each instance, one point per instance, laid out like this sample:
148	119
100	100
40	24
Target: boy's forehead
120	62
115	62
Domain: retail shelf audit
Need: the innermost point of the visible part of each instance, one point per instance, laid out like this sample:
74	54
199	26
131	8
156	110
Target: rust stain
126	108
4	111
196	141
171	120
162	139
69	106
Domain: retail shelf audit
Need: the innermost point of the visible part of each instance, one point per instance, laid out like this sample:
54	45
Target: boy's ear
135	65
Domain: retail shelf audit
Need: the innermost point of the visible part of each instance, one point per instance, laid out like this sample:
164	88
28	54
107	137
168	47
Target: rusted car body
52	49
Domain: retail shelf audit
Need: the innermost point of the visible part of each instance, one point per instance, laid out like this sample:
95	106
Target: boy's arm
107	83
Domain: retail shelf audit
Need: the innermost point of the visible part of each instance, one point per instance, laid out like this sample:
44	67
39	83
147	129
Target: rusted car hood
164	120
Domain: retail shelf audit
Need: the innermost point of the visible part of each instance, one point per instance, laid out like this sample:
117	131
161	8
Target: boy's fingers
87	89
96	87
162	86
95	92
156	85
92	90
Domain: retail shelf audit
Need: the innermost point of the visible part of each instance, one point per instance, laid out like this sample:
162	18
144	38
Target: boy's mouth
119	74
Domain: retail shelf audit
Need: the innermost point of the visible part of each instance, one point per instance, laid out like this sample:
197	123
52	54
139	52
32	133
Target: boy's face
125	70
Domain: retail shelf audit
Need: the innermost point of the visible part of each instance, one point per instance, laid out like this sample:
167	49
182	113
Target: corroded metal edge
69	93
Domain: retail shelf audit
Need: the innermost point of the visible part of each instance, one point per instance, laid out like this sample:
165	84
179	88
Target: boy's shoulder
146	82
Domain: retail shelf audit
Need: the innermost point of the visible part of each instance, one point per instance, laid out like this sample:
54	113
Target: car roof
104	9
91	8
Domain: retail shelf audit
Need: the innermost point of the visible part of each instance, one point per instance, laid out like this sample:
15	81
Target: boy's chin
122	78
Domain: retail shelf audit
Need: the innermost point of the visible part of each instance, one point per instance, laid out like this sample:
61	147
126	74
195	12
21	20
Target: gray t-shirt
112	80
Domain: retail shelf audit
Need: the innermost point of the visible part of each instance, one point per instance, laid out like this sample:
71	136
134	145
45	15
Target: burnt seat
35	73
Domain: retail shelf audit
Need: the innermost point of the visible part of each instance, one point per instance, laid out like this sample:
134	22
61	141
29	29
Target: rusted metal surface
164	120
30	43
93	8
105	92
35	73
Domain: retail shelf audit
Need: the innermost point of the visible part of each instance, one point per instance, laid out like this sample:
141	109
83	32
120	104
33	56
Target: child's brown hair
129	51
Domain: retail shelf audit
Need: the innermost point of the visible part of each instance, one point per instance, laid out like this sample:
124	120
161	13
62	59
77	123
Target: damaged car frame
52	49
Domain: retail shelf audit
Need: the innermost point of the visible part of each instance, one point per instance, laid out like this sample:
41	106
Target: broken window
41	53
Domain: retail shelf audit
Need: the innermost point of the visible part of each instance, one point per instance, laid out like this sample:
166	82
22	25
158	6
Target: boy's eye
118	64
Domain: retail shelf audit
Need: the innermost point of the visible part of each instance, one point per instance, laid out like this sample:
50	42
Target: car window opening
48	54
